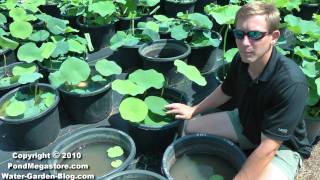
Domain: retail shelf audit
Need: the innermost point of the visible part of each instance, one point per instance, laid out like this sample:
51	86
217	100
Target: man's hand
181	111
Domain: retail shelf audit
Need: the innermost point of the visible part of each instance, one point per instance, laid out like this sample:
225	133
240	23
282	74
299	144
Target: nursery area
84	83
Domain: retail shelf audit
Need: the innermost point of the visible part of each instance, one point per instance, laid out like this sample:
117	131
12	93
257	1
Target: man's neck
257	67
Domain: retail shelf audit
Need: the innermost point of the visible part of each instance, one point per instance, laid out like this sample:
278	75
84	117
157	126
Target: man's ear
275	36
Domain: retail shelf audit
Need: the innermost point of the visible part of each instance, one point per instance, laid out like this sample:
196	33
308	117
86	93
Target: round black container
33	132
136	174
202	144
307	10
171	7
161	54
90	107
51	9
95	135
100	35
157	138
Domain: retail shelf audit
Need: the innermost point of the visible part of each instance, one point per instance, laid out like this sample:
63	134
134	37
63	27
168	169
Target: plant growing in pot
98	21
195	29
134	11
306	54
126	45
87	87
30	113
63	40
70	10
172	7
224	16
145	96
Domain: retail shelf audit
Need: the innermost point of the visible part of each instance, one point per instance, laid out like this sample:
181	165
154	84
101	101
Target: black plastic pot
51	9
150	139
124	23
200	57
200	4
202	144
136	174
127	57
100	35
72	21
34	132
307	10
89	107
221	72
96	135
172	7
4	90
161	54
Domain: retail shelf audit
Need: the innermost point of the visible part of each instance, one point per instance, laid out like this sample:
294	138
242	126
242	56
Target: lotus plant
138	106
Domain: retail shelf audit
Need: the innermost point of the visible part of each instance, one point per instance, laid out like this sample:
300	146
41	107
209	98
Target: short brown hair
271	13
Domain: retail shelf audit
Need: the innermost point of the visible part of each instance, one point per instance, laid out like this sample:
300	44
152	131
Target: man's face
252	50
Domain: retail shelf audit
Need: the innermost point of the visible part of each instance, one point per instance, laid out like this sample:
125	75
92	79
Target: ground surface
310	169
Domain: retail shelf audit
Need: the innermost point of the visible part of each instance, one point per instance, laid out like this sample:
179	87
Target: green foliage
216	177
26	104
222	14
133	109
127	87
195	28
115	151
156	104
147	78
116	163
75	75
191	72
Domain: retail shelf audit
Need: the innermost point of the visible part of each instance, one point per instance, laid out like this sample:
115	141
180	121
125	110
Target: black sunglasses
253	35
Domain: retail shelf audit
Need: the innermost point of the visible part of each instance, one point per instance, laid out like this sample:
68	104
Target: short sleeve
227	83
280	121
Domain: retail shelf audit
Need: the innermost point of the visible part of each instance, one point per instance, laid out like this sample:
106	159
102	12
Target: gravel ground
310	169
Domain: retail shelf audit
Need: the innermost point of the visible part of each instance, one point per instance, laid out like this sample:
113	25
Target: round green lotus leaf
107	68
8	43
48	98
56	79
153	119
125	87
216	177
15	108
156	104
29	77
29	52
20	29
147	78
41	35
190	72
115	151
133	109
75	70
97	78
47	49
103	8
76	46
21	69
18	14
62	48
116	163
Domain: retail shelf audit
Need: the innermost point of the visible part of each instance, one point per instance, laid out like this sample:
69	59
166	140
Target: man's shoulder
288	71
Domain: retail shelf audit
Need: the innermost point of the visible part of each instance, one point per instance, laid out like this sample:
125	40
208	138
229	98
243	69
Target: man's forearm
258	161
215	99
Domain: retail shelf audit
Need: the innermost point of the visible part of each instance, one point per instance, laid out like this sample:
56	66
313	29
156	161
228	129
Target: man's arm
259	159
215	99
